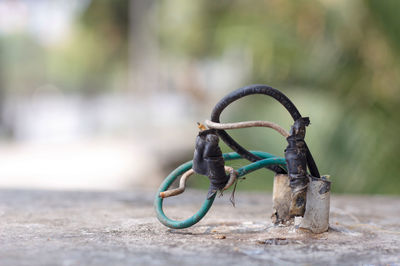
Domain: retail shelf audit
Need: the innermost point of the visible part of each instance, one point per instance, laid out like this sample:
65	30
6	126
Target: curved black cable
251	90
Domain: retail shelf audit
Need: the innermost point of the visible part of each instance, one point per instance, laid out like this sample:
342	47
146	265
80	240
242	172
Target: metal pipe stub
316	216
317	203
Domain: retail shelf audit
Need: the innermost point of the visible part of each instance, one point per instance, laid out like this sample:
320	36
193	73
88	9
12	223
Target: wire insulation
267	159
182	183
246	124
253	90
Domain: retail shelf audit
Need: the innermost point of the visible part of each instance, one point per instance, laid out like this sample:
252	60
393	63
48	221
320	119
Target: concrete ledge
120	228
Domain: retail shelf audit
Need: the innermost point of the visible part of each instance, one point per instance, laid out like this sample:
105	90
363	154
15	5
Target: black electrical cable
251	90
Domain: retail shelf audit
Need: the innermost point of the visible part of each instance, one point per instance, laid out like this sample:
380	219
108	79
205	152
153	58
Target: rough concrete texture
120	228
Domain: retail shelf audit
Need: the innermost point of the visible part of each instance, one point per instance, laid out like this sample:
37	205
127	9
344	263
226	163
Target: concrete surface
120	228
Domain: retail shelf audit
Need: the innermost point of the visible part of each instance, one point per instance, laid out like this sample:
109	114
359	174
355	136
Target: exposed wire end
201	126
233	176
232	198
247	124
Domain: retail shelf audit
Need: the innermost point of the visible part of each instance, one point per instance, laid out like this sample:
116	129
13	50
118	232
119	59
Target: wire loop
267	160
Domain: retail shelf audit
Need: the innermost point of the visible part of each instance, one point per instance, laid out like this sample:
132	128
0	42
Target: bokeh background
106	94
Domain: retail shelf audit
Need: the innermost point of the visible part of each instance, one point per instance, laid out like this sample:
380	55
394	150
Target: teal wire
268	159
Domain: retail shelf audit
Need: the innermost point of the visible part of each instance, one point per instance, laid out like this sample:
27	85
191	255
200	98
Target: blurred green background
145	71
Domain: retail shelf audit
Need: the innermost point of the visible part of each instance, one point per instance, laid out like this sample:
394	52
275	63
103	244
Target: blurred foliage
337	60
93	59
98	55
340	60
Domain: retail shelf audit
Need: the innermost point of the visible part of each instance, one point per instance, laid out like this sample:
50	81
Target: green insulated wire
267	160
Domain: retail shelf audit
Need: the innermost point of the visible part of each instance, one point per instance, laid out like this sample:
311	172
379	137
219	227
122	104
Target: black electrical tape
251	90
296	155
208	160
